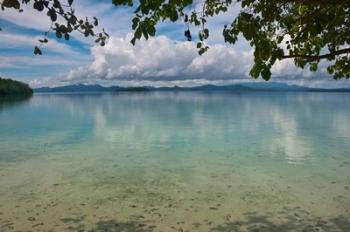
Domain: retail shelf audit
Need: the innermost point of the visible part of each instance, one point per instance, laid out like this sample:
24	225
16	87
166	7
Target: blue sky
168	59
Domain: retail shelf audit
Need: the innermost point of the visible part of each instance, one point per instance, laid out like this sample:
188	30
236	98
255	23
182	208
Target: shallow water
176	161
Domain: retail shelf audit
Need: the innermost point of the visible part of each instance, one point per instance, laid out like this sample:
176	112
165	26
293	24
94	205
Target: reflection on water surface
175	161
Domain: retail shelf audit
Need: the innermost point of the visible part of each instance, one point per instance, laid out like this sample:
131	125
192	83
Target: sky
165	60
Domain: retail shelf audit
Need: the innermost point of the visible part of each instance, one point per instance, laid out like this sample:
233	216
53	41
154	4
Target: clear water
176	161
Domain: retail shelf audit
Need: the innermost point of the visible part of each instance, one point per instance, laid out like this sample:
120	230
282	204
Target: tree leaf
37	51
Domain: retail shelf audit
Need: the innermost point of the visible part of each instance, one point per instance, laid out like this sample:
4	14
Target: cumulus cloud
161	61
161	58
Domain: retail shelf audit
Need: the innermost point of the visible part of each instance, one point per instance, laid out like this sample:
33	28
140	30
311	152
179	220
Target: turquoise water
176	161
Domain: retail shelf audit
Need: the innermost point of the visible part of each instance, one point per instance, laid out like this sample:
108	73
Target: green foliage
149	13
305	31
11	87
55	9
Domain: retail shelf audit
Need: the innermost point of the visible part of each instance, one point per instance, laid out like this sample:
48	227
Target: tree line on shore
12	87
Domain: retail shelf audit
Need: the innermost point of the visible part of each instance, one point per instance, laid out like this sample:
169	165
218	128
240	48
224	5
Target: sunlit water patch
176	161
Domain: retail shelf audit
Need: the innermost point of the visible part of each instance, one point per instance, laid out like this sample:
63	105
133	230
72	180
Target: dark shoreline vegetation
10	87
257	86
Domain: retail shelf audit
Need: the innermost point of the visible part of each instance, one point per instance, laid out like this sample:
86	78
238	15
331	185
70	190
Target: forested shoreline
12	87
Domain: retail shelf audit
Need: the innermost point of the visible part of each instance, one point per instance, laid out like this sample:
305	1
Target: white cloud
9	40
161	58
30	61
161	61
287	68
29	18
33	19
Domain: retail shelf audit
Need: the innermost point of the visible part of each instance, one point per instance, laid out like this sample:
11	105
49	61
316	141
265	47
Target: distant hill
72	88
88	88
251	86
12	87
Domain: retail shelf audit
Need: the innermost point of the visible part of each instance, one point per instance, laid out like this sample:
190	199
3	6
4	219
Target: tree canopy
305	31
11	87
62	17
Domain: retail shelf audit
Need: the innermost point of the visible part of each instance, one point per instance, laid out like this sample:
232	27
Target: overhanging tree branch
325	56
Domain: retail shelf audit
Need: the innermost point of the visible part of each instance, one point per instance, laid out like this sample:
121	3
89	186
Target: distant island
252	86
10	87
